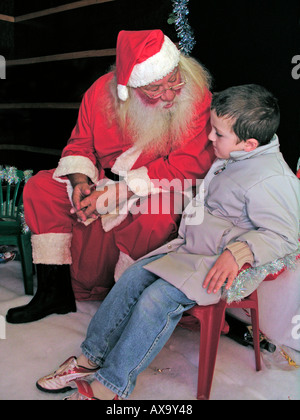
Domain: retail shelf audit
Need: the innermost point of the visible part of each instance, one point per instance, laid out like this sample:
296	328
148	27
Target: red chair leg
255	329
251	302
256	341
211	321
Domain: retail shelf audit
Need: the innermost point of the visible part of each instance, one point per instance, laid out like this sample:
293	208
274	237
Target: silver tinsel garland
9	174
252	277
183	28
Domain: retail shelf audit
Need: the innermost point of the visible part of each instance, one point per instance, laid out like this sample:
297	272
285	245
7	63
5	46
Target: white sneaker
63	378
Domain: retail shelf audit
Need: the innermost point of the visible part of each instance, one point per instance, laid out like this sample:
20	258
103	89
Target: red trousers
94	252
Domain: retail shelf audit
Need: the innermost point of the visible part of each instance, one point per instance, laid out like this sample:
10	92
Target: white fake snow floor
30	351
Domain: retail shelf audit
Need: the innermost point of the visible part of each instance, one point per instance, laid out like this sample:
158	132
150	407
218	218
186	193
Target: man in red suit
141	136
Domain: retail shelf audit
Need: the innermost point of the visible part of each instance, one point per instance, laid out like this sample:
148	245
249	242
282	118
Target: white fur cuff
139	183
126	160
76	164
51	248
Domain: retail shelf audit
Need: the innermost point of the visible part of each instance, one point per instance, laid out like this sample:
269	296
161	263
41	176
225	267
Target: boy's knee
159	295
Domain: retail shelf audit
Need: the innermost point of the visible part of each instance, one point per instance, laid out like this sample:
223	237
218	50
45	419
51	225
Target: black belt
110	175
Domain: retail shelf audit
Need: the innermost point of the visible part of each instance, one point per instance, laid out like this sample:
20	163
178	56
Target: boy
250	213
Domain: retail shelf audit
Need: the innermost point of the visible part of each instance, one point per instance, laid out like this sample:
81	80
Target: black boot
54	295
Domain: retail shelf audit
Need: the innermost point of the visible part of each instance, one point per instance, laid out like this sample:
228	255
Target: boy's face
224	139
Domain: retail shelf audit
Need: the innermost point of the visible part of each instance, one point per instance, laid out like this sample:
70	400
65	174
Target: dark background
238	41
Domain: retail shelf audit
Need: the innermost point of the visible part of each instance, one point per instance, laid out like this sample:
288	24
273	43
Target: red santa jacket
97	143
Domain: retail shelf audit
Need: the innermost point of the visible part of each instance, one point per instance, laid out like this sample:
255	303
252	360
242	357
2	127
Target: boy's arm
273	207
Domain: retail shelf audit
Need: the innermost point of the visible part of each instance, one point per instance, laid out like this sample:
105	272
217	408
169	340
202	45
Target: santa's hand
82	201
225	268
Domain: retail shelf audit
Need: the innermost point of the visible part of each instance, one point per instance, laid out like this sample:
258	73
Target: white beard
156	129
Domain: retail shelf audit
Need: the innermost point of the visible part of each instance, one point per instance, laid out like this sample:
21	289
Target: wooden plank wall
55	50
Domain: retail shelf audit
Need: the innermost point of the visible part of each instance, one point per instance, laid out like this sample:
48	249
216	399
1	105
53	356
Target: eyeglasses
157	95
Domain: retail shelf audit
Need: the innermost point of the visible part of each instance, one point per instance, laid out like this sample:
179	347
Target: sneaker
84	392
63	379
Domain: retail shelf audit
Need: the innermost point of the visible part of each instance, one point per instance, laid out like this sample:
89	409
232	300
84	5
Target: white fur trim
123	263
155	67
138	181
126	160
122	92
51	248
76	164
111	220
68	187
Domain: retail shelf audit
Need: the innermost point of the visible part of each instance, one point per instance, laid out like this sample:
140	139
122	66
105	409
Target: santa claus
140	127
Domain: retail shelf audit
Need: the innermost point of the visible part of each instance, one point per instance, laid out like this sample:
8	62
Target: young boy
250	213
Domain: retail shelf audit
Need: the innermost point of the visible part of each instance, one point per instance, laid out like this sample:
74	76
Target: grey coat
254	198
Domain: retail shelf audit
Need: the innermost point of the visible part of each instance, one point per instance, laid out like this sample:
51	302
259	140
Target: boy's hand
224	268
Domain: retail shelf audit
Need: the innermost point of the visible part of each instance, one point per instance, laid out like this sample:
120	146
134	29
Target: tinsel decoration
298	168
25	228
27	174
252	277
185	33
10	175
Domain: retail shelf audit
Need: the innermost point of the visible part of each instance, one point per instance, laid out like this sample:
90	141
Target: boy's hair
253	110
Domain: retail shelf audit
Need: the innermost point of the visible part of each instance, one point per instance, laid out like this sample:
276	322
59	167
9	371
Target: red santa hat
143	57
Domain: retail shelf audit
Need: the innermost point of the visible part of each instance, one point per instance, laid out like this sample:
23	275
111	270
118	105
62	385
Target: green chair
13	229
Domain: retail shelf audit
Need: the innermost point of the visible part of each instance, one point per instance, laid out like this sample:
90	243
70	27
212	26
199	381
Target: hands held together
91	202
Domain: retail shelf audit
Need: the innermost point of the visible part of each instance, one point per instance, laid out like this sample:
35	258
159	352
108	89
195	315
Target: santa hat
143	57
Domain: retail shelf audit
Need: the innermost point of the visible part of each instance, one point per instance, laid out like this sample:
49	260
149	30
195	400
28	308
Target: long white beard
159	130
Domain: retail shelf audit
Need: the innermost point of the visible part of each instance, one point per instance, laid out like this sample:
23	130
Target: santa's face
158	114
162	92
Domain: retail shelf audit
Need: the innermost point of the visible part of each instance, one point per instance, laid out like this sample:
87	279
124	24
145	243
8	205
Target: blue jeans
132	325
